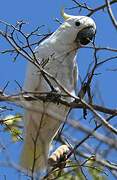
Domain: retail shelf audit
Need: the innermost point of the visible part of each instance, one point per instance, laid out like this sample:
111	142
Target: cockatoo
57	56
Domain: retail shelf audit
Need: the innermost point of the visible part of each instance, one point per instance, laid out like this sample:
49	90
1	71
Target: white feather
60	51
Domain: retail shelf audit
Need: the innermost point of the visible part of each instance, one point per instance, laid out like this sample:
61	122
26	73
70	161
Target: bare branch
91	11
108	4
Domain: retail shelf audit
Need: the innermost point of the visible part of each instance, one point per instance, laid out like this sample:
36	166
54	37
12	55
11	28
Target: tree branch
108	4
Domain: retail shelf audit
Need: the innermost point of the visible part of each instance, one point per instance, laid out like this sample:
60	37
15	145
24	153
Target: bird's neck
60	42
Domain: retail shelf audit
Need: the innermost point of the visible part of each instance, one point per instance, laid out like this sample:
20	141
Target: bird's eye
77	23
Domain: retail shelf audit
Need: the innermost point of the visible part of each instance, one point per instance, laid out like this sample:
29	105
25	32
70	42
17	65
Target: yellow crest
64	15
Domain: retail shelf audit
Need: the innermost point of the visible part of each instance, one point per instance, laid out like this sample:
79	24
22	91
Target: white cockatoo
57	56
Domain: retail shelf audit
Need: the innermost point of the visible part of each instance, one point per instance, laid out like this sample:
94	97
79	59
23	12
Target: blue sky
37	13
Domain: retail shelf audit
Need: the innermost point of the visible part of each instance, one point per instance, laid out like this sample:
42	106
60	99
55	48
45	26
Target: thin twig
108	4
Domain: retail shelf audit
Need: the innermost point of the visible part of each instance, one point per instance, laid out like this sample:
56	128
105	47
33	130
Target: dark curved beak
86	35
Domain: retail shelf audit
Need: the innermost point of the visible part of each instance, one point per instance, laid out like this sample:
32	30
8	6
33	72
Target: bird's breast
61	68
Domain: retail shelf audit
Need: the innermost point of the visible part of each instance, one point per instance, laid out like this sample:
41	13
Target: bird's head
79	30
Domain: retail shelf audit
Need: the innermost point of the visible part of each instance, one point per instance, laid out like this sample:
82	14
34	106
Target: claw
59	155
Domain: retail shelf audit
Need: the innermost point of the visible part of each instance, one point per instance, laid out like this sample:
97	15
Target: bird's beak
85	35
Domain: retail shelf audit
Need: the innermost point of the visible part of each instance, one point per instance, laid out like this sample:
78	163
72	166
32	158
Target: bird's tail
40	128
39	131
34	157
36	145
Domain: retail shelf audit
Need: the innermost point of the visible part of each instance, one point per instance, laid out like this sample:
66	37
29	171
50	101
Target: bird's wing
42	119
